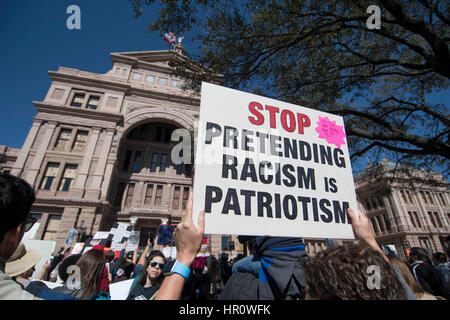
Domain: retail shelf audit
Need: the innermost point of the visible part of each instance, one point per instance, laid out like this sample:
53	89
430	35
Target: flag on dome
170	38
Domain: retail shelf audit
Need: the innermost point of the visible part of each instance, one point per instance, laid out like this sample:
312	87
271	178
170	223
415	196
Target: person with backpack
443	268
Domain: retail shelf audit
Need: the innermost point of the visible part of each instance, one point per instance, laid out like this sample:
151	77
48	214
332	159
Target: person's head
109	256
348	273
153	269
213	267
91	266
16	199
438	258
418	254
224	258
407	276
22	261
65	264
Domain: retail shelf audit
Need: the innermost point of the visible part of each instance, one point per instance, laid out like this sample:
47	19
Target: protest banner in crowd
267	167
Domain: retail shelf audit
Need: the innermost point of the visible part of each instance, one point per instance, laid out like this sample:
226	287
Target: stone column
25	151
423	214
390	214
83	171
400	207
68	221
40	154
102	172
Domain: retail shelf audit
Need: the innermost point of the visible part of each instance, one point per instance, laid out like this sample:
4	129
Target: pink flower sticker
330	131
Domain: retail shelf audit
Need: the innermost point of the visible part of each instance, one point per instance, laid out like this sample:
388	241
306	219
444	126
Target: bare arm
363	232
144	254
135	256
188	240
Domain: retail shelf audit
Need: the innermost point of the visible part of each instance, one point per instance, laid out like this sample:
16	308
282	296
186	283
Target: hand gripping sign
266	167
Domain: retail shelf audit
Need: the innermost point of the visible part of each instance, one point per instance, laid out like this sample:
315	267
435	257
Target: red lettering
303	122
291	126
272	112
259	119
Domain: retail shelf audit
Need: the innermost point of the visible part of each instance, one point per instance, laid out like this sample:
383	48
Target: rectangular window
225	241
386	222
163	164
185	196
63	139
438	220
52	227
80	141
429	197
69	174
374	203
402	193
417	219
149	194
130	193
119	194
368	206
154	164
78	100
93	102
176	198
380	223
158	196
127	160
423	196
137	161
443	202
50	174
411	218
380	201
375	228
409	197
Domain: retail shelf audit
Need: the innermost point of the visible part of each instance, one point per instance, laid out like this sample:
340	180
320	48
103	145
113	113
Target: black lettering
304	201
287	174
230	135
226	167
262	177
277	206
290	149
341	212
290	215
246	140
209	197
339	161
306	180
326	155
228	205
275	142
248	194
315	211
248	170
262	141
305	150
329	216
264	203
210	133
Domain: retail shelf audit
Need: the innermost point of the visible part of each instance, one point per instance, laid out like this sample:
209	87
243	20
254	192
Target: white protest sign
44	247
98	237
266	167
120	290
120	232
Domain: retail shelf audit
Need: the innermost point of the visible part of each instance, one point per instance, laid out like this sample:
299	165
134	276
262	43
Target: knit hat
21	261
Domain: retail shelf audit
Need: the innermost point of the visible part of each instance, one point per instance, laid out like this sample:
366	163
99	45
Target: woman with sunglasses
146	284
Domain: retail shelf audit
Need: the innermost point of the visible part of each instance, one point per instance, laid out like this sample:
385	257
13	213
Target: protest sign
77	247
44	247
267	167
120	290
133	241
32	232
70	237
100	238
170	252
118	234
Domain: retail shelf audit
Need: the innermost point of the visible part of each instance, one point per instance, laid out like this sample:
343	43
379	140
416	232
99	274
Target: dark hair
16	199
214	270
68	261
109	256
143	278
91	264
440	257
420	253
341	273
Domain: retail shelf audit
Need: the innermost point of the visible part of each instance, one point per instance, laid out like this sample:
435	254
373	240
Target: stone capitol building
98	152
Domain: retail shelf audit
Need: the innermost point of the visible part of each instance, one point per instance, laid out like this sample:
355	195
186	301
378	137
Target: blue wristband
181	269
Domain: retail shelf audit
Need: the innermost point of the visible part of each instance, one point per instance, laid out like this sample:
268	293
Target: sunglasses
154	264
29	223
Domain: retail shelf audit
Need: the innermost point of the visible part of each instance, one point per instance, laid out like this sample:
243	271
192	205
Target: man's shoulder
10	290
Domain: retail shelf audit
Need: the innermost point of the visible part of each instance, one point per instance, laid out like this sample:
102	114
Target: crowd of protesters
278	267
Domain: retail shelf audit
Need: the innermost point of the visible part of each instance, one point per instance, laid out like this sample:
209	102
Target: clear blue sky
35	39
